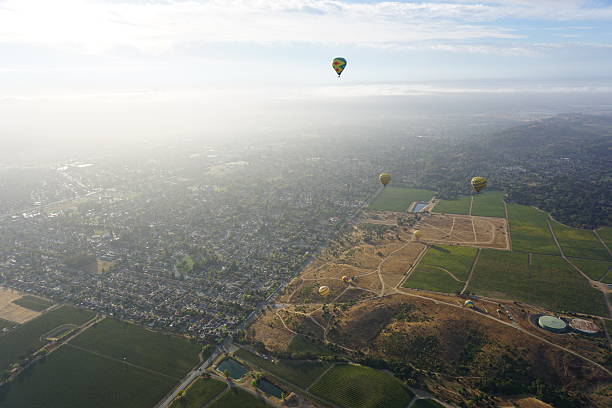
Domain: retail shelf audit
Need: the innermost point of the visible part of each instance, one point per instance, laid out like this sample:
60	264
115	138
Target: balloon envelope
418	234
346	279
324	290
384	178
338	64
478	183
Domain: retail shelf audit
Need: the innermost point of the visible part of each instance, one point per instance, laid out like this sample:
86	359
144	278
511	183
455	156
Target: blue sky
63	55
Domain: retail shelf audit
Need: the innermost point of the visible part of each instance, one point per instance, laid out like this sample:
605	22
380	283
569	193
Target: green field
399	198
426	403
26	338
6	323
460	205
301	373
237	398
430	273
579	243
489	204
594	269
529	230
300	345
549	282
353	386
200	392
171	355
71	378
606	234
33	303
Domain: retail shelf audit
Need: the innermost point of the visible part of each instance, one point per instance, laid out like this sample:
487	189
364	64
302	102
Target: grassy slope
72	378
399	198
33	303
200	392
353	386
489	204
26	338
579	243
549	282
301	373
460	205
300	344
455	259
6	323
529	230
594	269
171	355
237	398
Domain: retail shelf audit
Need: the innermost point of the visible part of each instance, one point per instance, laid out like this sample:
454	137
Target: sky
69	67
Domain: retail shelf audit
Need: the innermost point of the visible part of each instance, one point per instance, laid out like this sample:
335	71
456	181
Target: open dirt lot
12	312
465	230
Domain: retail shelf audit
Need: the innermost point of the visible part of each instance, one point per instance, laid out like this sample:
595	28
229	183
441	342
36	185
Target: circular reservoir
553	324
584	326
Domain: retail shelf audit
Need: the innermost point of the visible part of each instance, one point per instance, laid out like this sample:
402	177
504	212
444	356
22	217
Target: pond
418	207
267	387
234	368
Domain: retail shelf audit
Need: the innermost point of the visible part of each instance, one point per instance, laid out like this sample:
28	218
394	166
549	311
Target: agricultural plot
171	355
489	204
301	373
459	205
606	235
442	269
11	311
353	386
399	198
529	230
579	243
237	398
465	230
427	403
33	303
548	282
26	338
72	378
6	323
199	393
595	270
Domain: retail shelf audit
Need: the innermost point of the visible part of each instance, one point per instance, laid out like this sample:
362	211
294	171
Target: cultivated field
595	270
579	243
548	282
489	204
485	232
529	229
27	337
399	198
353	386
426	403
460	205
200	392
170	355
6	323
237	398
606	234
34	303
11	311
73	378
442	269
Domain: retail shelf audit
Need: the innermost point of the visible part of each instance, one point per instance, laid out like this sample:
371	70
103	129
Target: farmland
442	269
399	198
594	269
460	205
427	403
548	282
26	338
606	235
489	204
301	345
301	373
354	386
529	230
200	392
33	303
579	243
236	398
69	377
171	355
6	323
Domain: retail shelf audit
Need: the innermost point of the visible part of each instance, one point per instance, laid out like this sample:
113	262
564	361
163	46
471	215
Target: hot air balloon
384	178
346	279
469	304
338	64
324	290
417	235
478	183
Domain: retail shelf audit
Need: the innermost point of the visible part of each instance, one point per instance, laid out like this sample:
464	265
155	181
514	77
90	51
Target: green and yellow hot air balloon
338	64
478	183
384	178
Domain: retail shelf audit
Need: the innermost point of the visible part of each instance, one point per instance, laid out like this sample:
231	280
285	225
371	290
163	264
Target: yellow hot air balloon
324	290
417	234
346	279
384	178
478	183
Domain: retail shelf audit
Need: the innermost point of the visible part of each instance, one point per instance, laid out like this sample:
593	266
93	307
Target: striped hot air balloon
478	183
324	290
